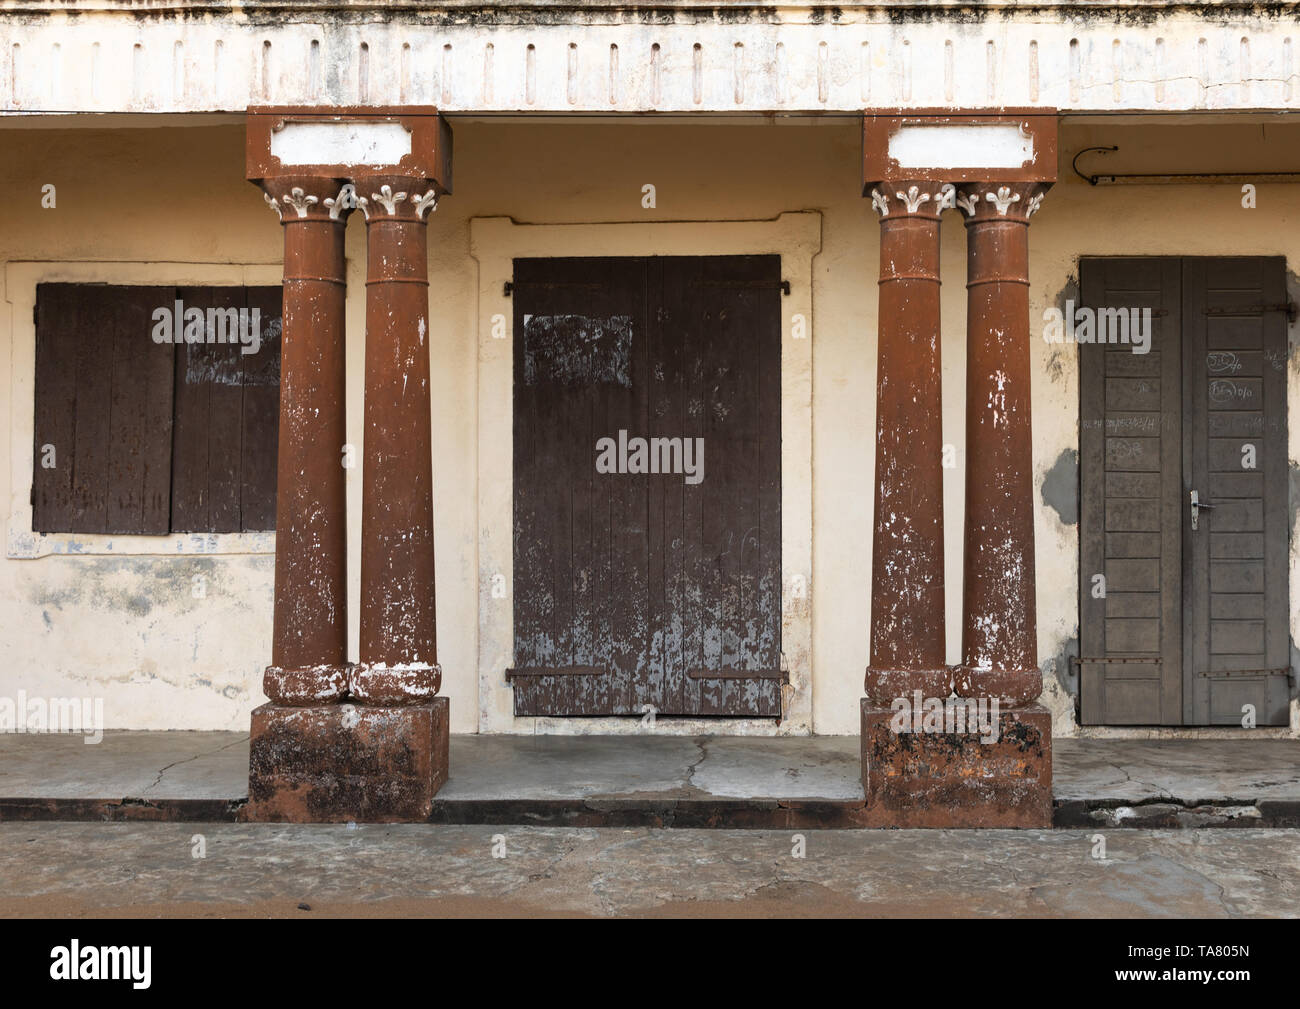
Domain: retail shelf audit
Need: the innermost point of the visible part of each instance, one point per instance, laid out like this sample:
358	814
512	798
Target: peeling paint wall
127	628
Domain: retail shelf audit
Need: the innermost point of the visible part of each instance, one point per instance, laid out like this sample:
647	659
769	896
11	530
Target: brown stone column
907	605
309	644
999	625
398	649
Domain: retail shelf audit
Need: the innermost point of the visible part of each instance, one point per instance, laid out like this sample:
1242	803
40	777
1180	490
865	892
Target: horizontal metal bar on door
1287	307
529	672
586	285
1088	659
736	674
748	285
1245	672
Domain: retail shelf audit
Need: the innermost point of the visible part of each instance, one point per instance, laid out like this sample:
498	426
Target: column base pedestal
941	779
882	686
343	762
1012	687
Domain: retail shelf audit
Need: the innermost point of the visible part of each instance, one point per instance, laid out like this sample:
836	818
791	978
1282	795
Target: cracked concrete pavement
147	870
214	765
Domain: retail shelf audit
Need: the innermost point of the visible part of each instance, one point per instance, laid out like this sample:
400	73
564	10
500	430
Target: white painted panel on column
996	145
342	143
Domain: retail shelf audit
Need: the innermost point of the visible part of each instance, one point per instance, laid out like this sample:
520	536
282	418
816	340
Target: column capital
309	198
918	198
993	201
396	197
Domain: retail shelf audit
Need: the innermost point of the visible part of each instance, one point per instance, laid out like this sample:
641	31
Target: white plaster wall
126	628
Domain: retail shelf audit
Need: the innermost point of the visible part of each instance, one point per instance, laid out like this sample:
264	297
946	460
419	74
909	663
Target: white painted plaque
961	145
373	144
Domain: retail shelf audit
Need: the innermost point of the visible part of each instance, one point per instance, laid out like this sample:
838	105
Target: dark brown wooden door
640	589
1182	621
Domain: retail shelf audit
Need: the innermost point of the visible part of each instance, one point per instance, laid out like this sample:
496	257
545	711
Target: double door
647	486
1183	597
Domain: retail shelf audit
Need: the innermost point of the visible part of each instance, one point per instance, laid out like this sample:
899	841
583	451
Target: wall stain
1064	671
1060	359
133	585
1293	491
1060	486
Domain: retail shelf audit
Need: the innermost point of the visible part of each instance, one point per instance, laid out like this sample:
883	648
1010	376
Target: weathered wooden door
1183	473
647	486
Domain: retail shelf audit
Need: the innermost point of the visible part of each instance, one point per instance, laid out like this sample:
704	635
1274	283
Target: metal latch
1197	506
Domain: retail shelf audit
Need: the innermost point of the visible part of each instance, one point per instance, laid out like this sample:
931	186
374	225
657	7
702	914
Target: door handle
1197	506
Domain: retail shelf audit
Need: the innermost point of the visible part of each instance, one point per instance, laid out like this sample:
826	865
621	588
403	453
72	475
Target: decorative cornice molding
777	59
538	9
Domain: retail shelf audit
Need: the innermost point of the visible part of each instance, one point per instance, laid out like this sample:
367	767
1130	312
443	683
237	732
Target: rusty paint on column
907	607
309	642
999	620
398	648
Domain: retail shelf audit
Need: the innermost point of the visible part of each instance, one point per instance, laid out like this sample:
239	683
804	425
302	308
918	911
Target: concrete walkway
653	780
261	870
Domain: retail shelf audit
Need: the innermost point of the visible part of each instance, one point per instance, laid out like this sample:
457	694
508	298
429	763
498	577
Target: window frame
21	280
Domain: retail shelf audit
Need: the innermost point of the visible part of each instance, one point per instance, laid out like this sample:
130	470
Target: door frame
495	242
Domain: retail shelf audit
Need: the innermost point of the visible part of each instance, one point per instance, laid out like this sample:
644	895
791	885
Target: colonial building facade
668	374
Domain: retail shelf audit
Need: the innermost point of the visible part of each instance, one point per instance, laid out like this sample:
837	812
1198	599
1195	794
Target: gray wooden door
647	588
1236	637
1182	621
1130	504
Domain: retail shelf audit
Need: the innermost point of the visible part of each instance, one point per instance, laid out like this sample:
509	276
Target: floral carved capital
1001	201
303	199
900	199
395	197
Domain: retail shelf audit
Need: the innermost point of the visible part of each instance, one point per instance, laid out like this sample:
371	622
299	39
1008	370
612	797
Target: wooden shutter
149	437
103	398
223	455
1130	457
1237	636
261	416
